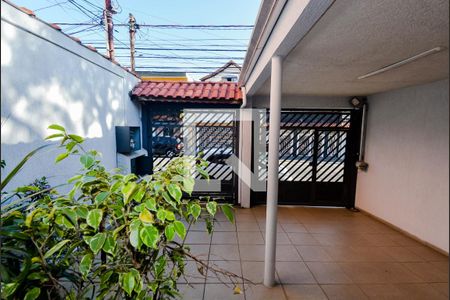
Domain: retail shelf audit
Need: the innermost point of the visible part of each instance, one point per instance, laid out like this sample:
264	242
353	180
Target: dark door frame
350	170
145	164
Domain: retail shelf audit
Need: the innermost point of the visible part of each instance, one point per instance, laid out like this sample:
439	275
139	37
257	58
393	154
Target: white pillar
272	174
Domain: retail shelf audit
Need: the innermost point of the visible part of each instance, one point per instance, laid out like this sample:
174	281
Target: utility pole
109	29
132	22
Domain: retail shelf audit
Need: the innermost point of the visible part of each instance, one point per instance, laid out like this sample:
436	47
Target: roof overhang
327	45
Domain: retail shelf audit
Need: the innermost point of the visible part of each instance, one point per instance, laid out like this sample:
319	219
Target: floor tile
252	252
382	291
216	291
247	226
419	291
243	218
282	238
215	276
192	291
224	226
260	292
442	288
294	272
328	273
198	237
224	252
224	237
199	251
287	253
304	292
290	227
428	254
402	254
343	291
250	238
194	273
313	253
378	272
303	239
253	271
427	271
198	226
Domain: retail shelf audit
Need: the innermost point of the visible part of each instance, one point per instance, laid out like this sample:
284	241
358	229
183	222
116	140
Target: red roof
205	92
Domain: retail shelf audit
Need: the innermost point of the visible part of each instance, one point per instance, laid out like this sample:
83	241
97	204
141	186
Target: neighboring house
228	72
162	76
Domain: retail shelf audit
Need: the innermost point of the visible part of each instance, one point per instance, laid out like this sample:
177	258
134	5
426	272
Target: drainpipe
361	164
272	173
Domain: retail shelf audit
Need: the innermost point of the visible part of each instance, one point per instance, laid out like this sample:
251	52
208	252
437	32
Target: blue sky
180	12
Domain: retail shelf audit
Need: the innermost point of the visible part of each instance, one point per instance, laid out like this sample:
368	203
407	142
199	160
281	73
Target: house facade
392	56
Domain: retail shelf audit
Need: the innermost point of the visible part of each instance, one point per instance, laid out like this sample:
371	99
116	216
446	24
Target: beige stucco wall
407	148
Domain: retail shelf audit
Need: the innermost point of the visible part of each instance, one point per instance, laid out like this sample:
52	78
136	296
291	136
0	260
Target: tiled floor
322	253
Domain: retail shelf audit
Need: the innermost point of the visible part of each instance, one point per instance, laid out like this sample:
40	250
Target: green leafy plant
112	236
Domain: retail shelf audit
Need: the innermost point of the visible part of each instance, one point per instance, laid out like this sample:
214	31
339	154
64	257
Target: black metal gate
318	151
212	133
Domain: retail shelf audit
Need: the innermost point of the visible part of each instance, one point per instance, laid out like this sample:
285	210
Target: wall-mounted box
127	162
128	139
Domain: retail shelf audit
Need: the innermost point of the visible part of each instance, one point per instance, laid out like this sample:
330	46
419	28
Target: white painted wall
49	78
407	148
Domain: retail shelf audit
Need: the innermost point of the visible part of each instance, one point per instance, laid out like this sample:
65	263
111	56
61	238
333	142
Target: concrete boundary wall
47	77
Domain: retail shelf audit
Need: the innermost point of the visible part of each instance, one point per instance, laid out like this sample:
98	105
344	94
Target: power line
185	57
180	49
170	26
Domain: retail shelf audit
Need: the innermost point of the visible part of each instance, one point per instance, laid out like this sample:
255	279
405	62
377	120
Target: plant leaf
110	245
135	240
32	294
128	191
150	204
228	212
161	214
149	236
76	138
146	216
85	264
82	212
169	232
188	185
56	135
57	127
9	289
180	229
61	156
55	248
97	241
94	217
74	178
167	198
211	207
87	160
196	210
237	290
175	192
101	197
128	281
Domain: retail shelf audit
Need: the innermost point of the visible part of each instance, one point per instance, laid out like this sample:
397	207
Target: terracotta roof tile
213	92
27	11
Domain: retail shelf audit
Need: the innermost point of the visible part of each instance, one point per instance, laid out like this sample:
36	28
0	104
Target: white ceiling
355	37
